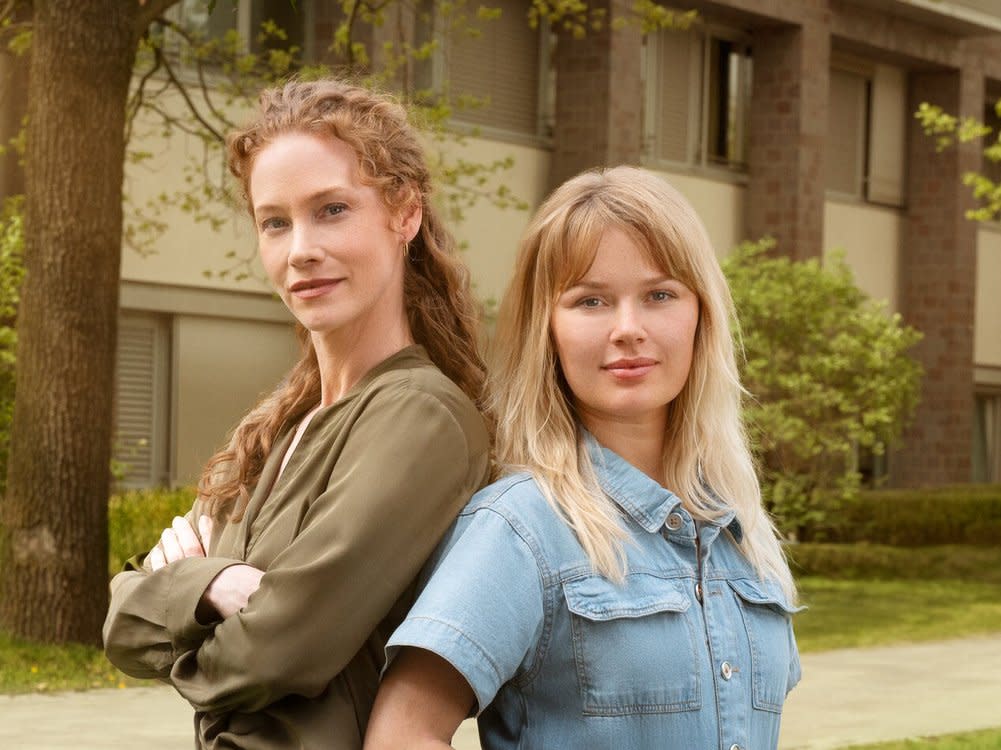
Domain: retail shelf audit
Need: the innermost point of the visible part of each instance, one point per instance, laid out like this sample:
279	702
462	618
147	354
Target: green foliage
136	518
828	373
968	514
948	130
882	562
11	273
29	667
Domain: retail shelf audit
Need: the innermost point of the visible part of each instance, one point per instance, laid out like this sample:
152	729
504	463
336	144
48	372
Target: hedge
969	514
862	561
136	518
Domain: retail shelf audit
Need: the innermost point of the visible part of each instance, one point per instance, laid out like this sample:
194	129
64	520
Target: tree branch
149	11
183	91
200	68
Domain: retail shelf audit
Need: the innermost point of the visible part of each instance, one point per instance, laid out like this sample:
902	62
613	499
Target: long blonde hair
707	461
441	309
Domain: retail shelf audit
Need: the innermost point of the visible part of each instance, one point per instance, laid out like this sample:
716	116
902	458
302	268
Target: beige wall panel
186	249
719	204
870	238
987	325
491	234
221	366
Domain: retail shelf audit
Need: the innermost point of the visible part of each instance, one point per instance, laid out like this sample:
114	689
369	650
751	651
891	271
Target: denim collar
643	499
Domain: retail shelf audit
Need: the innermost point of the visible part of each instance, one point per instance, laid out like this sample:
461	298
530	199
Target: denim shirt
680	655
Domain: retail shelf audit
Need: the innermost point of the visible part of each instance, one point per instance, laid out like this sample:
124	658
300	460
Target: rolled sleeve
482	609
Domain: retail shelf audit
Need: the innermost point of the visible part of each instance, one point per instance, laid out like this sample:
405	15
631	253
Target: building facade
790	119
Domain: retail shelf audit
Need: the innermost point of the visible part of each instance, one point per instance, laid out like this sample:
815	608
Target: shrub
871	561
828	373
136	519
11	273
968	514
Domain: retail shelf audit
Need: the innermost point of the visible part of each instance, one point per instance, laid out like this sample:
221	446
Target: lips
628	369
310	288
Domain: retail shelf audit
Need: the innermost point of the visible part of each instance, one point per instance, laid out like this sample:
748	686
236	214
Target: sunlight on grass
846	614
41	668
989	739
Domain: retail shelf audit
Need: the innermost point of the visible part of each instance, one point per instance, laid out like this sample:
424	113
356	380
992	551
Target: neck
638	441
345	357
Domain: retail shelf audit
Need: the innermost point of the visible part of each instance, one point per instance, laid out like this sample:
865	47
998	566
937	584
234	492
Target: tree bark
53	520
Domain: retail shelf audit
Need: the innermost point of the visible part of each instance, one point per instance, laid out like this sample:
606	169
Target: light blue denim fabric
559	657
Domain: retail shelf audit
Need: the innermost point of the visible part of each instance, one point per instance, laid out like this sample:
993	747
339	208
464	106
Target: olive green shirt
341	535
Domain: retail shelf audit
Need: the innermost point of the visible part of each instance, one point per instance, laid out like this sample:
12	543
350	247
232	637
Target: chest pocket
634	645
774	659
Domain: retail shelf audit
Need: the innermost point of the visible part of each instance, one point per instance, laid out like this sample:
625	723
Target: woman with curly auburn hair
269	605
622	588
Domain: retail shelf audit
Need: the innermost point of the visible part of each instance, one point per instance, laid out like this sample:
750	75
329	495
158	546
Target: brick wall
937	285
785	196
599	98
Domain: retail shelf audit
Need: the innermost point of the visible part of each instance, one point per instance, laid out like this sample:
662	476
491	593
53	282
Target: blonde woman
268	608
622	588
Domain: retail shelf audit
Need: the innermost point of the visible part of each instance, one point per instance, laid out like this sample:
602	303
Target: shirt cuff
470	659
189	579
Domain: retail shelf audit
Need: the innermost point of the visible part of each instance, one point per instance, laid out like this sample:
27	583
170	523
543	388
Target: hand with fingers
179	540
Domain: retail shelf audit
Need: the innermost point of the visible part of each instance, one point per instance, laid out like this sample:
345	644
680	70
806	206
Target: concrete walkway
846	697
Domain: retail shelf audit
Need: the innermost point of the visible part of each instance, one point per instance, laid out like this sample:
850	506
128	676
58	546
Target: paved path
846	697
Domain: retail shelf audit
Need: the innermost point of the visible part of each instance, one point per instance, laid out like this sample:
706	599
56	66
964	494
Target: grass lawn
841	614
844	614
40	668
989	739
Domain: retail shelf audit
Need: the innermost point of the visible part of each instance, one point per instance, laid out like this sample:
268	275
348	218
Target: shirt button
674	521
727	671
698	591
735	747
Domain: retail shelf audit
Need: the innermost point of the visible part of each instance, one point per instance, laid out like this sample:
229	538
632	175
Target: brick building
774	117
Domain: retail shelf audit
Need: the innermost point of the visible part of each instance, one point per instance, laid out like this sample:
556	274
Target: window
866	132
698	97
987	437
142	388
246	17
496	71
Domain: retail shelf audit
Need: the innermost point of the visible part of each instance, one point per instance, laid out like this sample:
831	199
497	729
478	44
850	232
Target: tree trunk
53	520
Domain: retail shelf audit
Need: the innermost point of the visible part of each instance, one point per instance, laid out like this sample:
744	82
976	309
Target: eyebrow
318	196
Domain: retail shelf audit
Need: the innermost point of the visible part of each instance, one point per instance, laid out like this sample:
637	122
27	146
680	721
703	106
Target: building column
786	189
938	266
599	97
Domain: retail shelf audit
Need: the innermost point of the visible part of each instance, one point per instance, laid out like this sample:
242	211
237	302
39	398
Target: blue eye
589	302
332	209
273	223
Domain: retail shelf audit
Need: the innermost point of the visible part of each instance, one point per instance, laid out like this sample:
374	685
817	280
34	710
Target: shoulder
517	504
413	389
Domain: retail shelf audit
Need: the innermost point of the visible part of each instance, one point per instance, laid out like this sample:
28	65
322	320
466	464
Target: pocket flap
766	594
639	595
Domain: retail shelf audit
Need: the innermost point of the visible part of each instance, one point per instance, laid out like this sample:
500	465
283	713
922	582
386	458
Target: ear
409	220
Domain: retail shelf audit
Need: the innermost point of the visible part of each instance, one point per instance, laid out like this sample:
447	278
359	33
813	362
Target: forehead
620	254
302	162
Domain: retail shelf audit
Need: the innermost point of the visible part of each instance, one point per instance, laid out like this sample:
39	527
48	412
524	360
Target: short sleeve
483	608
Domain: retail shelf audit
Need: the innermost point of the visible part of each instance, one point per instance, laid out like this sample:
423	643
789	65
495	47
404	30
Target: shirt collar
643	499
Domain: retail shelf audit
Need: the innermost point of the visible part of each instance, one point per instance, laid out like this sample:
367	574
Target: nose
628	324
305	248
